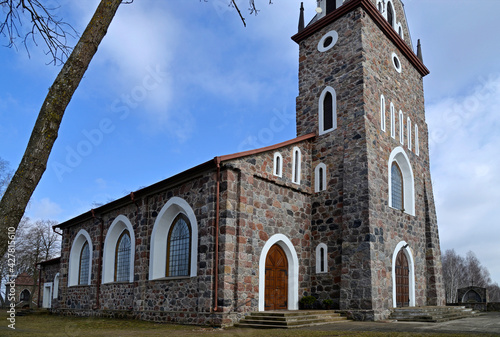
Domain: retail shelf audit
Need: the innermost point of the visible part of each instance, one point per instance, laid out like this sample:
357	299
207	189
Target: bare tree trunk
44	134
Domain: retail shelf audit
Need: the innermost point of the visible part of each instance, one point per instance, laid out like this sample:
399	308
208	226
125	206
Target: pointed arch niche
327	111
80	240
293	270
160	234
411	265
117	228
399	156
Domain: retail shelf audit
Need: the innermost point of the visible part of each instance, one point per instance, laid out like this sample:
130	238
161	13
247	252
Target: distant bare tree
5	175
460	272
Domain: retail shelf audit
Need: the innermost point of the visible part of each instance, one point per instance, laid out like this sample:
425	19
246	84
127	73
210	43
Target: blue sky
177	82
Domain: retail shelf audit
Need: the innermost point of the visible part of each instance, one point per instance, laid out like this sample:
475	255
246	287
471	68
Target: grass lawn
51	325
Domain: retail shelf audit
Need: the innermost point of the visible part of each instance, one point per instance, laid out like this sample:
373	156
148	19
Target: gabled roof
174	180
379	20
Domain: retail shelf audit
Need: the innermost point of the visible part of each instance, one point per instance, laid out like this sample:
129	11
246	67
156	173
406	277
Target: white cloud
43	209
465	158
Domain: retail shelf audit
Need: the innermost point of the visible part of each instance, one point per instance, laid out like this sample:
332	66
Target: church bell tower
361	91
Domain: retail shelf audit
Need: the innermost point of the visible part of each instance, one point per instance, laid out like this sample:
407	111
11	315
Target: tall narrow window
390	14
393	121
178	247
25	295
278	164
396	187
84	265
321	258
408	132
417	141
382	113
327	110
122	259
320	178
401	128
296	165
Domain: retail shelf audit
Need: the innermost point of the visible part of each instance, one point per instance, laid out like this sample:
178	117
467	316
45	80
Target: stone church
345	211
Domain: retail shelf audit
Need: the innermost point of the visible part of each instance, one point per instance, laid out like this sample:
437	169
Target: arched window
320	178
401	128
417	141
55	292
122	257
397	187
321	258
408	132
165	240
393	121
327	111
119	252
297	157
382	113
401	182
178	247
83	278
25	295
390	14
278	165
75	271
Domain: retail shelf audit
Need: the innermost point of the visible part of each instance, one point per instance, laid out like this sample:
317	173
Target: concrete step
431	314
289	319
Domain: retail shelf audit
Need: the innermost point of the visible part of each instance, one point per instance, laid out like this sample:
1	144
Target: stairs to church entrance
431	314
289	319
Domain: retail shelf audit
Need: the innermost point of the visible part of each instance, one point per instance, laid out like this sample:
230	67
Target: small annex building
344	211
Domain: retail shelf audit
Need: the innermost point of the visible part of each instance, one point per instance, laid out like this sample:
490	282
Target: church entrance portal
402	280
276	286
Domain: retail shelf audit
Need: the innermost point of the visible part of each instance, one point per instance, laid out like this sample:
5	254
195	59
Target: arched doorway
402	280
276	282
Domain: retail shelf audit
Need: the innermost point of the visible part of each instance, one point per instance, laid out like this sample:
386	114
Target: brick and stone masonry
352	216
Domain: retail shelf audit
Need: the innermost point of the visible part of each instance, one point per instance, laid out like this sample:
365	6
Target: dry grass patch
51	325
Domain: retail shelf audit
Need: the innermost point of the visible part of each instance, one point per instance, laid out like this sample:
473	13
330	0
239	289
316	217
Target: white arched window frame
390	5
411	265
278	165
401	128
161	228
382	113
393	121
55	290
293	270
399	156
417	141
408	132
321	258
119	225
324	110
320	178
296	165
74	257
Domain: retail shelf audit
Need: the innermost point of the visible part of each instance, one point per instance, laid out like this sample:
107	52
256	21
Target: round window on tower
396	62
328	41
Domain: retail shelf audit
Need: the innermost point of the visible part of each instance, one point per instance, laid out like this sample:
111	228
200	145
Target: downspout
99	262
39	285
217	218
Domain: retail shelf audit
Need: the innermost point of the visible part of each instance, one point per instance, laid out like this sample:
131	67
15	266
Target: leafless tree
29	21
5	175
45	131
453	273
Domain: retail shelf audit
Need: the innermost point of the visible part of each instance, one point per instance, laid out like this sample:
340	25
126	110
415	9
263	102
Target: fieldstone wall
405	91
49	272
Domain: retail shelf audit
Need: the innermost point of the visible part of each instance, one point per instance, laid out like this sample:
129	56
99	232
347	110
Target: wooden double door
276	279
402	280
